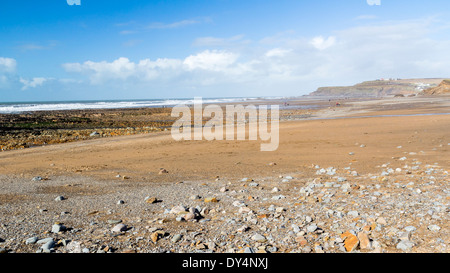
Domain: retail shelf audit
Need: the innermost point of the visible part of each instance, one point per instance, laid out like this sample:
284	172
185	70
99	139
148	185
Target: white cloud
277	52
294	65
222	42
33	83
7	65
172	25
211	60
321	43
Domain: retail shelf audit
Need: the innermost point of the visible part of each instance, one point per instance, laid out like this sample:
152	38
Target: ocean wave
12	108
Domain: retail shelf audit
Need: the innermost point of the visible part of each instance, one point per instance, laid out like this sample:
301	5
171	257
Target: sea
21	107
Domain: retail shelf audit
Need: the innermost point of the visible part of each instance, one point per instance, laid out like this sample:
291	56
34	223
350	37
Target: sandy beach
347	178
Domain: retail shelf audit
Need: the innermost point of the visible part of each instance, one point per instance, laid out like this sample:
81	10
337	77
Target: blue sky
114	49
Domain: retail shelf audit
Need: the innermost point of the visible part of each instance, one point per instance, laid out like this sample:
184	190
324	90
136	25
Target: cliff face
442	89
378	88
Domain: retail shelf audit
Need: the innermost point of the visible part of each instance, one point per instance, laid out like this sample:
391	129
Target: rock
151	200
74	247
163	171
405	245
243	229
278	197
44	241
275	190
244	210
301	241
410	228
176	238
60	198
37	178
178	210
434	227
211	200
381	221
156	235
246	179
364	241
31	240
353	213
189	216
318	249
249	250
56	228
351	242
3	250
223	189
120	202
311	228
254	184
48	246
94	134
195	197
119	228
404	236
259	238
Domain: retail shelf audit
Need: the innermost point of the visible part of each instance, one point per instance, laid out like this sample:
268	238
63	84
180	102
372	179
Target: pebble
56	228
410	228
312	228
178	209
119	228
60	198
275	189
278	197
44	241
31	240
176	238
114	221
151	200
351	241
405	245
353	213
48	246
364	241
249	250
37	178
259	238
434	227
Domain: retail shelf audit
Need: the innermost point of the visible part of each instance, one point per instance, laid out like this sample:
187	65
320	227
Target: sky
51	50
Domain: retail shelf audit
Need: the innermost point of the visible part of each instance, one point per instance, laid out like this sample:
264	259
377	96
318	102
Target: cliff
442	89
379	88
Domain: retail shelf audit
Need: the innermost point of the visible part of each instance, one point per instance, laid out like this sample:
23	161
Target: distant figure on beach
338	104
